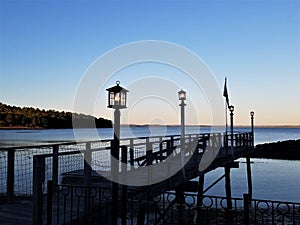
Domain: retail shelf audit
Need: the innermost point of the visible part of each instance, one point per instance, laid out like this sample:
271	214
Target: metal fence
16	163
92	205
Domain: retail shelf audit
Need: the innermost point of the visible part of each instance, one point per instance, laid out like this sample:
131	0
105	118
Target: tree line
28	117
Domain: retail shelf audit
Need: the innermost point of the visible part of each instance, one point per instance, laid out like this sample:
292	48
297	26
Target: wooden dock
138	153
19	213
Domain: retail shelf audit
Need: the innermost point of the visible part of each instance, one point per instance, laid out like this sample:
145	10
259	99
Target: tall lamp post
117	97
252	126
180	191
231	109
182	98
248	159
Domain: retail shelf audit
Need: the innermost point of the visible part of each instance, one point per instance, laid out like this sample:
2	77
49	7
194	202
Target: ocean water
37	137
272	179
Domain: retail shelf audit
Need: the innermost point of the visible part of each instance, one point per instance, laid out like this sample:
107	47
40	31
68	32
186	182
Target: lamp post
248	160
182	98
180	191
117	97
252	126
231	109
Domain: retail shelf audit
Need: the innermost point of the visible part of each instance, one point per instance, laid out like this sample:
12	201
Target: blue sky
46	47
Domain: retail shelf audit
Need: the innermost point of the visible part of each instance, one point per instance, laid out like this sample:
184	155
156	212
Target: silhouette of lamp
231	109
182	98
252	126
117	98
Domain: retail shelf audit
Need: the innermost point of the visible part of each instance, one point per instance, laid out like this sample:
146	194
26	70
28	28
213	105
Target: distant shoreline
23	128
154	125
287	150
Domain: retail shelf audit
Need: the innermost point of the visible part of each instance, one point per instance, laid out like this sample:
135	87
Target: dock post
131	153
228	187
124	186
149	158
200	190
181	205
246	209
249	178
87	164
10	175
115	155
49	201
38	180
55	165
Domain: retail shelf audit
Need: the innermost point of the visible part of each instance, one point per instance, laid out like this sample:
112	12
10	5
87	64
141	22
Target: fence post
141	215
246	209
10	175
38	180
149	159
149	152
124	186
55	165
131	153
87	164
49	201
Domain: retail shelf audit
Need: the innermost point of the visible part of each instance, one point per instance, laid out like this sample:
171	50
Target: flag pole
225	94
226	118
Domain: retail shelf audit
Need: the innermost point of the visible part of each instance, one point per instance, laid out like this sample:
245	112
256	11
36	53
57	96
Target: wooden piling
124	198
55	165
50	184
181	205
87	164
249	177
200	190
228	187
38	180
246	209
10	175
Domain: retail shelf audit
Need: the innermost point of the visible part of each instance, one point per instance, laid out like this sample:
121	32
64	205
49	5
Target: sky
47	48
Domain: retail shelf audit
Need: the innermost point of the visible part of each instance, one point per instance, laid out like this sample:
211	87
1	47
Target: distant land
289	149
205	125
13	117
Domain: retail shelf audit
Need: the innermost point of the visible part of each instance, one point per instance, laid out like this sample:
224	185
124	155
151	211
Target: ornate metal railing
92	205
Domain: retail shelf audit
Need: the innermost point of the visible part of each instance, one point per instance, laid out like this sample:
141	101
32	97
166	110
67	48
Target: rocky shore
289	149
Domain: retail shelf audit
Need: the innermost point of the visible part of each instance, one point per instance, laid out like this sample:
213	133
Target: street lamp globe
117	97
231	108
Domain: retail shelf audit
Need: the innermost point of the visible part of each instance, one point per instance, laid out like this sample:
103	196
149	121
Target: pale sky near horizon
47	46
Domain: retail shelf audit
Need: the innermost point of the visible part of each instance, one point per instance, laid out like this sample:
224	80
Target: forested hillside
28	117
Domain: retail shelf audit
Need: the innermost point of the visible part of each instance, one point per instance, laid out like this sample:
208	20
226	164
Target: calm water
272	179
35	137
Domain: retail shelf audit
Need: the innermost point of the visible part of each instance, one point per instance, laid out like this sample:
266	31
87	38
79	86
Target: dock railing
91	205
17	163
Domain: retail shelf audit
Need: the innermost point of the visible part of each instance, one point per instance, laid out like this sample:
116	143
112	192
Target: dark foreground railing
16	163
92	205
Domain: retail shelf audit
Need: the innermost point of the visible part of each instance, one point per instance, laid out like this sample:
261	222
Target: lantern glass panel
111	98
117	99
123	99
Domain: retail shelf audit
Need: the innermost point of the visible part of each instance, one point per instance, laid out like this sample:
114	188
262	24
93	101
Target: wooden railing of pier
16	172
28	168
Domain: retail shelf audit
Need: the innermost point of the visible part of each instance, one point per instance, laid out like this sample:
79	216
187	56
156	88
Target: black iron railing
92	205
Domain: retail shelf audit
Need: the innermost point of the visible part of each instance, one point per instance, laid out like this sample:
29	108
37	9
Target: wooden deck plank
19	213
